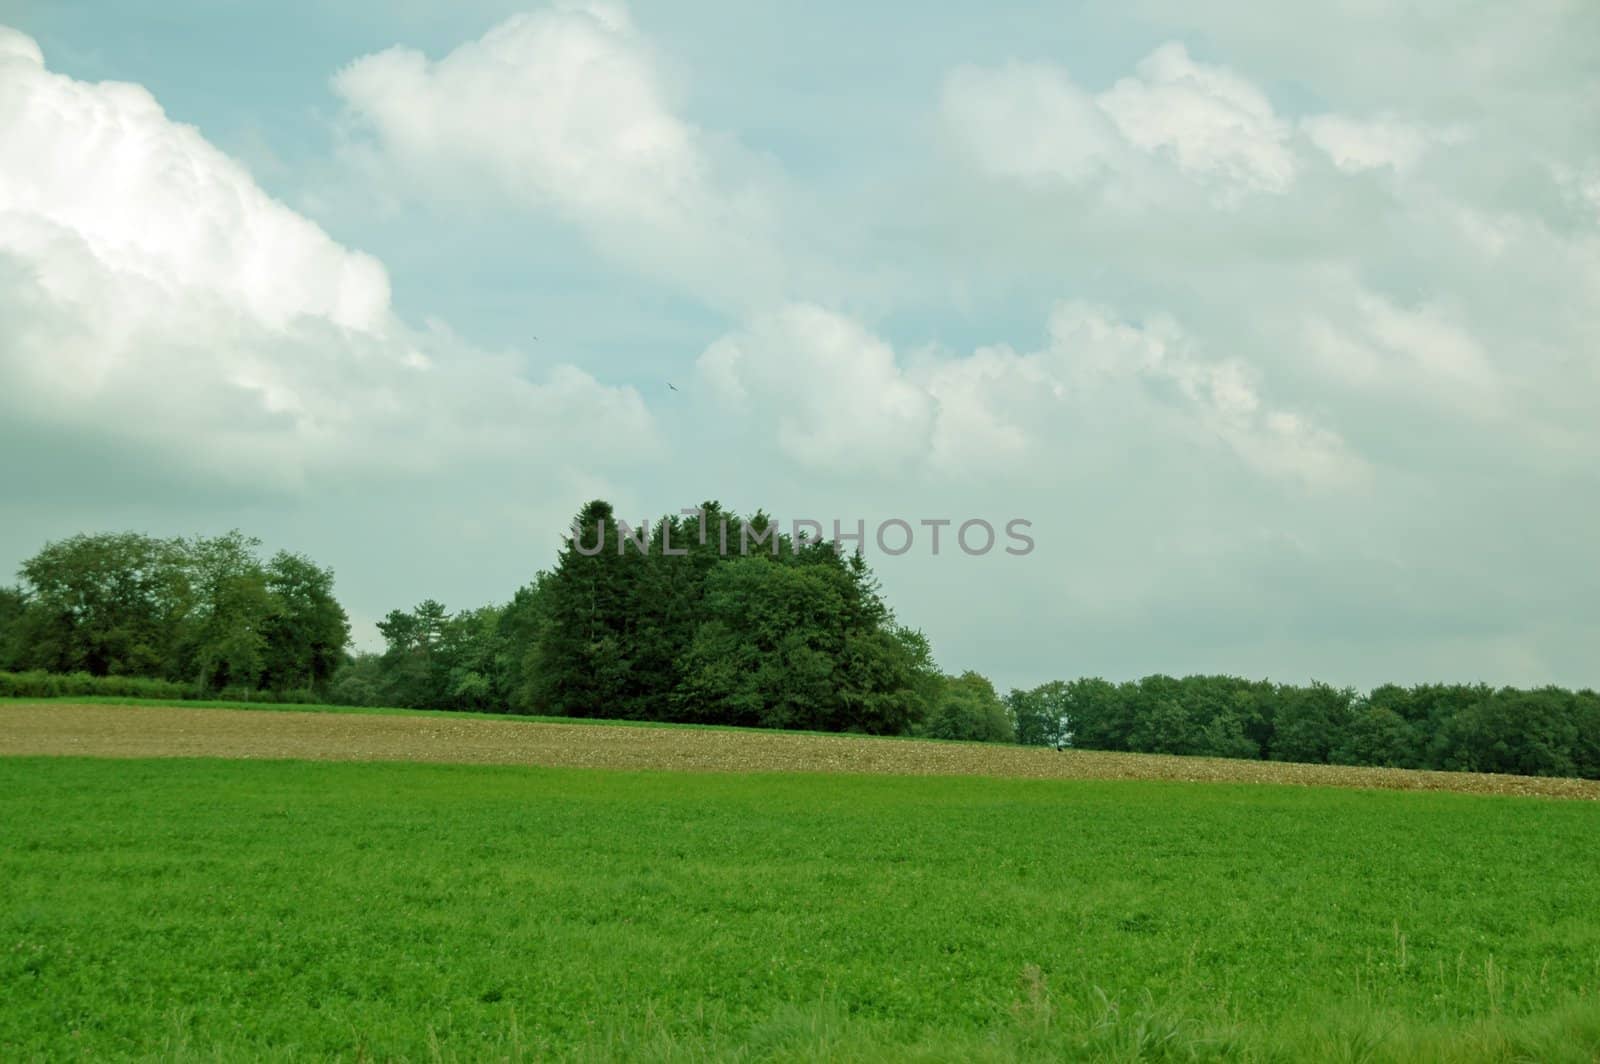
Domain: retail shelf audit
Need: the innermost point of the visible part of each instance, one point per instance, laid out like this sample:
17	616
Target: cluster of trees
207	613
676	624
679	623
1459	727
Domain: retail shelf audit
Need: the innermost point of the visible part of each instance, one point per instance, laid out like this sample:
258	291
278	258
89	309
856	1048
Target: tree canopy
205	611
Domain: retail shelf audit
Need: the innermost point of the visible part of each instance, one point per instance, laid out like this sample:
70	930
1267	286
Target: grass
186	909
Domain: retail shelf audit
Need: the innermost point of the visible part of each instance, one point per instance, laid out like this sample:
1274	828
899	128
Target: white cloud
1176	117
155	296
1216	397
1450	290
564	109
833	390
19	48
1030	122
842	401
1213	122
1355	145
1364	339
1444	59
981	400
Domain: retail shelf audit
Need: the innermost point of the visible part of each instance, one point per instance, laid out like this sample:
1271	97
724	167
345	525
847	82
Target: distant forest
673	625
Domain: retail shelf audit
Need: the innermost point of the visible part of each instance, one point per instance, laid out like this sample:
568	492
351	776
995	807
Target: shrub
38	684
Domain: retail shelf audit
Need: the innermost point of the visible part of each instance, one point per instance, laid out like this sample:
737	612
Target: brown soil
56	728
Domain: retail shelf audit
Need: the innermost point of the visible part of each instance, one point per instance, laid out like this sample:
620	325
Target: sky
1276	323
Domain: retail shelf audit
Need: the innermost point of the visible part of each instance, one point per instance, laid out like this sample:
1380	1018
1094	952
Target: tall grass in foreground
230	910
825	1033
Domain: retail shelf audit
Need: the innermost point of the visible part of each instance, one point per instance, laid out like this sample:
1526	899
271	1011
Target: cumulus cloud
1445	60
839	400
1435	261
1175	116
843	401
1423	350
1212	121
565	109
155	296
1216	397
1355	145
1029	121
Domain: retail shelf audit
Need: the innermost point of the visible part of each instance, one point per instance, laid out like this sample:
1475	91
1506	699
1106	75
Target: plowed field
54	728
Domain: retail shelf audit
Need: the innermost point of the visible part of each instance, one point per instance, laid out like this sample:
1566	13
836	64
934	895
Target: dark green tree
360	681
520	634
969	710
110	604
415	670
1310	722
767	651
13	608
1042	716
1586	740
1377	735
583	661
224	642
306	630
1527	733
1101	713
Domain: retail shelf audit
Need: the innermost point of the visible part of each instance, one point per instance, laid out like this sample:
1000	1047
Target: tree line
673	622
1449	727
205	612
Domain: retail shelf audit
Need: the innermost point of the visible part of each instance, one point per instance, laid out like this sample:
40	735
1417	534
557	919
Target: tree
1231	717
306	630
582	667
1310	722
664	590
416	675
468	655
1586	742
109	604
13	607
1430	709
359	681
1528	733
1164	719
519	633
224	642
925	681
1100	712
1377	735
1042	716
767	651
202	611
969	710
1224	735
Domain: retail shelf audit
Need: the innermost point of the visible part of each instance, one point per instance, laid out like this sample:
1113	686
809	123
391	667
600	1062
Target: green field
182	909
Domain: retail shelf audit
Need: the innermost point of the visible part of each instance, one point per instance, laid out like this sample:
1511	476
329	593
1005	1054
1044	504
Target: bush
38	684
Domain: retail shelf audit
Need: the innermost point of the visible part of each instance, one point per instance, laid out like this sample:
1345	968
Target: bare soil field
55	728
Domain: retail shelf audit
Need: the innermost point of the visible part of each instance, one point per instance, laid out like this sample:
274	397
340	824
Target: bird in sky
674	387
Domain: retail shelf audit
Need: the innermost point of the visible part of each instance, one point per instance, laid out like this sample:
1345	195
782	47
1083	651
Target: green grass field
183	909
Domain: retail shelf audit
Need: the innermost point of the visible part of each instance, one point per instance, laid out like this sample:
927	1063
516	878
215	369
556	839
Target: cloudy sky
1280	323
